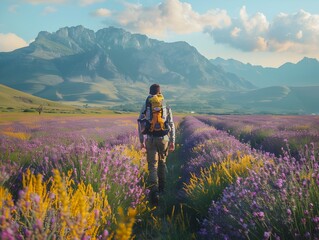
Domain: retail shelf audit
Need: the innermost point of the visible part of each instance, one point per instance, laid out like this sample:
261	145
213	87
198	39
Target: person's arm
171	124
141	136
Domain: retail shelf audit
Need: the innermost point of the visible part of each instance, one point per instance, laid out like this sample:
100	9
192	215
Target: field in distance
12	100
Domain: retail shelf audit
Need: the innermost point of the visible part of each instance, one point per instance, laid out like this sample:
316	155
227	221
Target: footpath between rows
172	218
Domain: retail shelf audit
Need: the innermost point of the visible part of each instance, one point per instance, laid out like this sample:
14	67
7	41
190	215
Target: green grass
14	101
172	219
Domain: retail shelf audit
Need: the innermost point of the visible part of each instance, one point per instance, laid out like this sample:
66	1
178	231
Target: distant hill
270	100
14	100
303	73
110	67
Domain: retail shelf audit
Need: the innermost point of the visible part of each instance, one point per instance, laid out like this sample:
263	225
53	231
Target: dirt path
172	219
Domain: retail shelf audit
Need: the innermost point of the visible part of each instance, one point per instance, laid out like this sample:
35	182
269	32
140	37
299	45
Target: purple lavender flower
267	235
279	183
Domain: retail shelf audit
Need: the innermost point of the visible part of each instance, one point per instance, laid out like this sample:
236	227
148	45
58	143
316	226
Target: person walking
157	135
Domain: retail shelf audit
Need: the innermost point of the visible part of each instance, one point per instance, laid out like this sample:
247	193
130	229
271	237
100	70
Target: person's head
155	89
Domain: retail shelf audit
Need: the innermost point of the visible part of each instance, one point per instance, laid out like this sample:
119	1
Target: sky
268	33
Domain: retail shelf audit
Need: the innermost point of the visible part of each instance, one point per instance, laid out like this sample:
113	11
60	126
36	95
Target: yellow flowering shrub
209	184
137	157
72	211
6	207
125	224
19	135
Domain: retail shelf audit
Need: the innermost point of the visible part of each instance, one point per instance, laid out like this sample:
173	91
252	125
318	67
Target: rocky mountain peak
307	61
117	37
75	63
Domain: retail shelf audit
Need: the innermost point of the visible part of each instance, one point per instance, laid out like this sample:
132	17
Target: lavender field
267	196
70	177
270	133
231	177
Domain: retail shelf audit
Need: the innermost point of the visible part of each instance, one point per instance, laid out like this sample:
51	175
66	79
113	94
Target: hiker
156	123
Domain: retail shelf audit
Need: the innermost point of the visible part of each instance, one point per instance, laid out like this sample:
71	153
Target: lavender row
261	198
67	130
31	140
204	145
278	201
269	133
100	153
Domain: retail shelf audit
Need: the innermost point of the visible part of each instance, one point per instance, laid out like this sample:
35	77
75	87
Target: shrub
279	201
29	110
209	185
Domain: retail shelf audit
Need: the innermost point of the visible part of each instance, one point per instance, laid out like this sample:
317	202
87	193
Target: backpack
155	120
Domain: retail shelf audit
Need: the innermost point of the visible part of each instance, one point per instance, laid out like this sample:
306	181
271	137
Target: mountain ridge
303	73
114	68
74	63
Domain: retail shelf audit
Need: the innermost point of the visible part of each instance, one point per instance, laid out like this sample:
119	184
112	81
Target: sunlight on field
29	118
127	123
101	195
301	127
84	175
18	135
207	186
247	128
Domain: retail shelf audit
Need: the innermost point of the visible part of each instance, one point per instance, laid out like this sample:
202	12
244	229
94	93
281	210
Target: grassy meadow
14	101
83	176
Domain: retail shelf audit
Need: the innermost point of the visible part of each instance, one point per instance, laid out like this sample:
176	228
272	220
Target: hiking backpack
155	121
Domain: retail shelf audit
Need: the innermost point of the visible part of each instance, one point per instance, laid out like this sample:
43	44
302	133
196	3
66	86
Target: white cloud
246	33
102	12
299	35
235	32
89	2
49	10
257	23
170	16
10	42
297	32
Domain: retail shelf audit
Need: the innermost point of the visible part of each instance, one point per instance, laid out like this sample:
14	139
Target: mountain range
300	74
114	68
111	65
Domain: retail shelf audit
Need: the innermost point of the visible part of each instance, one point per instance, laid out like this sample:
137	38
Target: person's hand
171	146
143	145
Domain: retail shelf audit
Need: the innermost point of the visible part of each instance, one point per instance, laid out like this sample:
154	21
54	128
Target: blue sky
267	33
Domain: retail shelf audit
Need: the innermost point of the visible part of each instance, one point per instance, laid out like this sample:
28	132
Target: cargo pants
156	151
